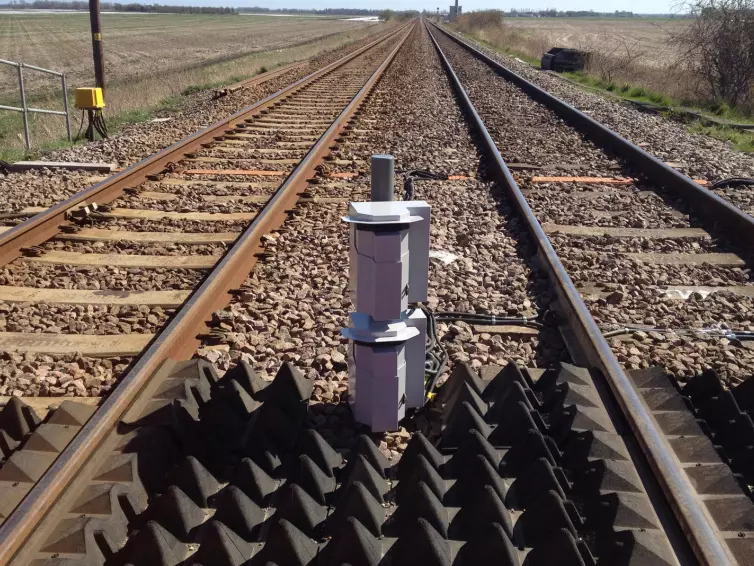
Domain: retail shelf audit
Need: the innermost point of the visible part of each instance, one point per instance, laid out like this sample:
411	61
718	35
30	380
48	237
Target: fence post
65	106
97	50
23	104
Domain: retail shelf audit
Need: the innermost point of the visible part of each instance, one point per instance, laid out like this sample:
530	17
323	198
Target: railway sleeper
527	471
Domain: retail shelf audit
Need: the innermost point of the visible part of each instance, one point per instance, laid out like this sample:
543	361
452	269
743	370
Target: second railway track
620	220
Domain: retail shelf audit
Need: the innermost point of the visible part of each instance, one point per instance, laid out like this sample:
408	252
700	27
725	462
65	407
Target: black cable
715	332
437	357
90	125
99	123
489	319
96	123
733	182
81	127
419	175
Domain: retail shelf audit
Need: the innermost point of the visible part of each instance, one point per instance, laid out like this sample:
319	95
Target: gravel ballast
326	98
696	155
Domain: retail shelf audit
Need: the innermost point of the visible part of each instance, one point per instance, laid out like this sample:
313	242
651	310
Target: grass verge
115	122
627	91
505	50
743	140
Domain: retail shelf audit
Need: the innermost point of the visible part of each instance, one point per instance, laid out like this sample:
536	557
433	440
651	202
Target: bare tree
718	49
612	55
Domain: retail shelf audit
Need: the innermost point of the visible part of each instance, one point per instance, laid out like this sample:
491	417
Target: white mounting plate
365	329
390	212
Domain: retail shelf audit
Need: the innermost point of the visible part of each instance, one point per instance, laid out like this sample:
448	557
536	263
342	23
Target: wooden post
97	51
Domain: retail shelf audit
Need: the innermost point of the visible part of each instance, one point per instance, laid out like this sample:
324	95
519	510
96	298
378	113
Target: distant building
454	12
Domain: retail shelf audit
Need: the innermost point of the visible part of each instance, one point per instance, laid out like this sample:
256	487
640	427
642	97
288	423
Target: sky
636	6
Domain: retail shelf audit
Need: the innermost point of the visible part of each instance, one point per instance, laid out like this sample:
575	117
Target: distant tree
718	47
528	13
408	15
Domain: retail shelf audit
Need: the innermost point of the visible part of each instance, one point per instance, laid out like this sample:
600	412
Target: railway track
660	207
154	231
230	89
578	463
265	152
592	199
720	167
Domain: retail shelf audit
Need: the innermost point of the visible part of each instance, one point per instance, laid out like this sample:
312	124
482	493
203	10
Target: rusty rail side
682	497
23	532
44	225
271	74
257	79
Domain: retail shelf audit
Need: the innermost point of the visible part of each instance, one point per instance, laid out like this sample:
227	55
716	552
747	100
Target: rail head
260	78
23	532
683	500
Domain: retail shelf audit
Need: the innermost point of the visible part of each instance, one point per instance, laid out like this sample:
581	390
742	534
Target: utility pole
97	51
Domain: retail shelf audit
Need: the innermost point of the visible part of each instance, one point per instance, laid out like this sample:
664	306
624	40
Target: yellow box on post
89	98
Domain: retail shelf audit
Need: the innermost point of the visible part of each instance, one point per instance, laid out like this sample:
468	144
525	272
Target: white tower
389	262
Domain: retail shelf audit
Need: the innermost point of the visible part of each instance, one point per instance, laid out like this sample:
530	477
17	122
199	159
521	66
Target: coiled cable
419	175
437	357
733	182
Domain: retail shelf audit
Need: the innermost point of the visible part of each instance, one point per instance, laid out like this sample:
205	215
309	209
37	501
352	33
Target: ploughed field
649	36
138	45
152	61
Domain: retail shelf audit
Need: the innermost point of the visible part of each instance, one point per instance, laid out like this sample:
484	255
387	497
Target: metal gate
26	110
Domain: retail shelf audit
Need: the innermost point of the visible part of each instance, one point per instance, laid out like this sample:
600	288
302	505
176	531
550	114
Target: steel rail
267	75
261	77
707	204
676	485
44	225
21	535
